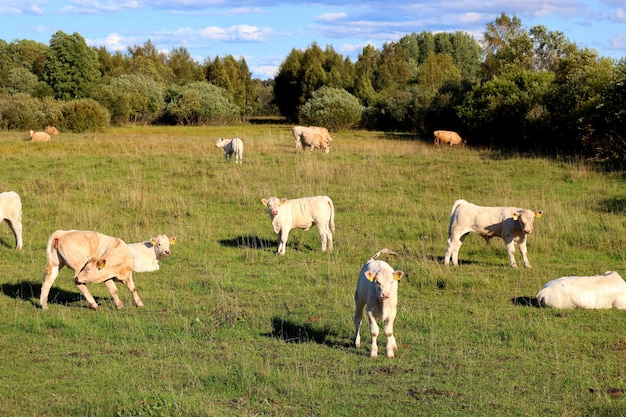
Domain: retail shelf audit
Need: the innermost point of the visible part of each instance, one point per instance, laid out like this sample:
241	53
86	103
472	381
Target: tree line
528	89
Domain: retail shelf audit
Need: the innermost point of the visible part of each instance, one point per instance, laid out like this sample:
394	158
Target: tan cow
39	136
377	291
93	257
231	146
146	255
592	292
509	223
51	130
449	137
314	140
297	130
11	213
302	213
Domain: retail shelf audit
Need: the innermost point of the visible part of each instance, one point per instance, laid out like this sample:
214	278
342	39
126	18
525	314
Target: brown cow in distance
449	137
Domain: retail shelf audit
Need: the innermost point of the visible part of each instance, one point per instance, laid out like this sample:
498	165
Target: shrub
200	103
21	112
84	115
333	108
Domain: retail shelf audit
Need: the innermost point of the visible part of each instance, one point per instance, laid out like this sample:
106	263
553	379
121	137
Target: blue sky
264	32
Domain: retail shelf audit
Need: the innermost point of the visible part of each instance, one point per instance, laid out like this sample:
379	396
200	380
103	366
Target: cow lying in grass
588	292
377	291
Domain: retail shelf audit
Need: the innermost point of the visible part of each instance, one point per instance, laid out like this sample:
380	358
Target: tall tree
183	66
71	67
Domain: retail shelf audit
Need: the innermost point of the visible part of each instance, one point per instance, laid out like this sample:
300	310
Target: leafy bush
199	103
21	112
333	108
84	115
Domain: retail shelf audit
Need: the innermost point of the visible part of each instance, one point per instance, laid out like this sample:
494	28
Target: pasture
231	329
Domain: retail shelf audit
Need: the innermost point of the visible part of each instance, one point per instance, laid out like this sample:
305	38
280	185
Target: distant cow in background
509	223
302	213
296	131
377	291
231	146
314	140
39	136
146	255
93	257
11	213
449	137
591	292
51	130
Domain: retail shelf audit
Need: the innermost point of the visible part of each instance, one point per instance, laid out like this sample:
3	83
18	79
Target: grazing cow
449	137
314	140
594	292
231	146
322	131
377	291
51	130
302	213
297	130
146	255
39	136
11	212
93	257
509	223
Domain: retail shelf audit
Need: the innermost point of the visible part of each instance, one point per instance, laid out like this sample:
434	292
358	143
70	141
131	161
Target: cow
302	213
587	292
11	213
231	146
297	130
51	130
93	257
509	223
377	291
314	140
146	255
39	136
449	137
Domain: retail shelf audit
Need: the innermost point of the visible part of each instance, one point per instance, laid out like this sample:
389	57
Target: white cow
11	213
146	255
314	140
509	223
93	257
593	292
302	213
297	130
377	291
231	146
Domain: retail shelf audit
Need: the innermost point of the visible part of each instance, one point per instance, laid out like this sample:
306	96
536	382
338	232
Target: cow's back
10	206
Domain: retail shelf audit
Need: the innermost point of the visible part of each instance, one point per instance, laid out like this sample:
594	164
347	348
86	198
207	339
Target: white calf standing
594	292
146	255
11	212
377	290
231	146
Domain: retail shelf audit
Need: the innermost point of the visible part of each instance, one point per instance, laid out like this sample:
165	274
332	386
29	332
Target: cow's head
221	142
91	271
273	204
161	245
526	219
385	281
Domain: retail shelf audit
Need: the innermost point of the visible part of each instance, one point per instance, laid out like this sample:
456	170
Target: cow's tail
332	215
456	205
385	251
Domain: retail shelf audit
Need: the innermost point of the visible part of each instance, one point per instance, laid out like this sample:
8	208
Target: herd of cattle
95	257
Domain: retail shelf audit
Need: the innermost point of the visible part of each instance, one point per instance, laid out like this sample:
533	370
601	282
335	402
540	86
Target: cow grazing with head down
296	131
449	137
314	140
11	213
146	255
509	223
231	146
93	257
588	292
302	213
377	291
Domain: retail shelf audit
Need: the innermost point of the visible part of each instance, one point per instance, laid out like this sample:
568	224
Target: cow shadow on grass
612	205
30	291
525	301
255	242
292	332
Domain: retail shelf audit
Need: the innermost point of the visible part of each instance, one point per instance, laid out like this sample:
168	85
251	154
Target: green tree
184	68
71	67
288	86
200	103
132	98
506	43
333	108
21	80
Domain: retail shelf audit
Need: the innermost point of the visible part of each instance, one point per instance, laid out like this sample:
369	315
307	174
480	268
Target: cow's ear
264	201
153	240
283	201
172	240
370	275
516	215
100	263
397	275
538	213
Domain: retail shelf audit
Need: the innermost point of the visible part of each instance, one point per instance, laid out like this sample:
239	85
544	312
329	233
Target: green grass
230	329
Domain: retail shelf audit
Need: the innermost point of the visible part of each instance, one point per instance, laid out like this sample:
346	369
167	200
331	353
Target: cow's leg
85	292
452	249
16	228
282	240
510	246
358	318
110	284
374	332
523	251
391	340
130	284
52	271
325	235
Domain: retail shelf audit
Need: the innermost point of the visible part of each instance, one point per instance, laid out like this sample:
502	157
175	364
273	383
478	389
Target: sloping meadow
230	328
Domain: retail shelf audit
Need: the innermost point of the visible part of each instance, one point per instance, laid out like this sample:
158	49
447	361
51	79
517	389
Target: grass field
231	329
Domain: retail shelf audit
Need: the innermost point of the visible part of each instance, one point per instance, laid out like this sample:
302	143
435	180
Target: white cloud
331	17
